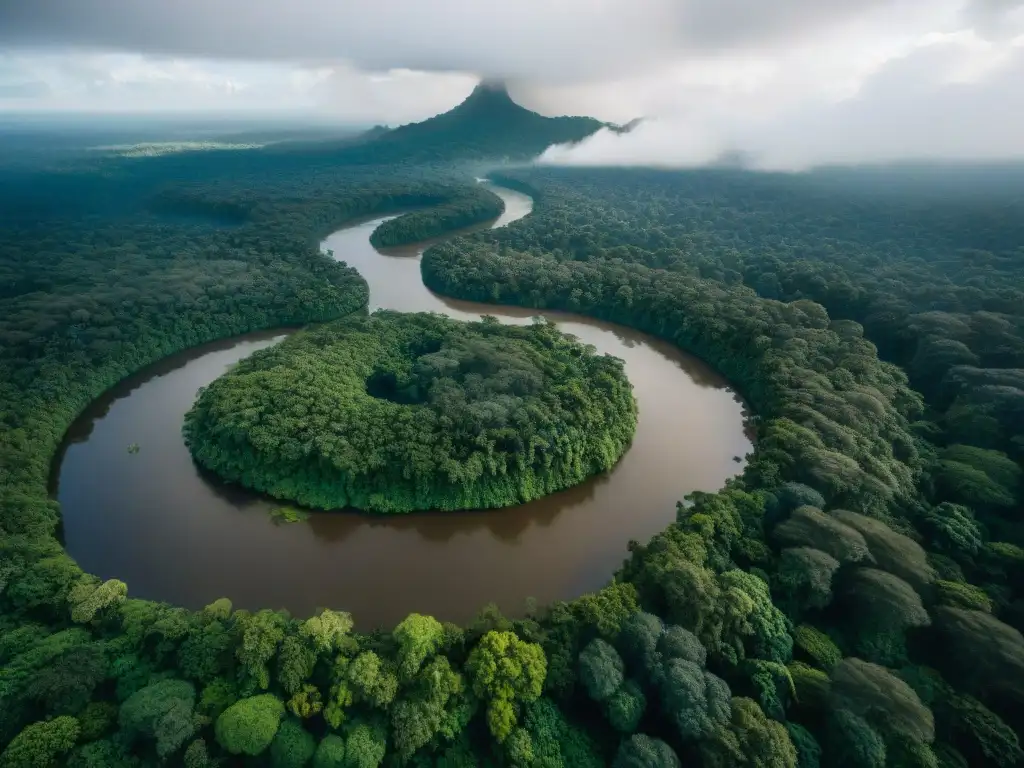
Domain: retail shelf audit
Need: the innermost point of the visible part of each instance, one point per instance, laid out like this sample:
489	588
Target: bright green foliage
641	751
39	745
372	680
219	609
88	598
434	708
306	702
751	612
416	411
419	637
750	738
625	708
261	634
330	752
295	662
960	595
365	746
601	670
816	646
328	630
292	747
161	711
506	672
249	725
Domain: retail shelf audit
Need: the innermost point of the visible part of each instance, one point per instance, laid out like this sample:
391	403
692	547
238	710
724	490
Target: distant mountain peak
490	94
487	124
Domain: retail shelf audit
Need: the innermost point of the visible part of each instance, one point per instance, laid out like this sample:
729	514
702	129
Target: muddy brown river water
155	521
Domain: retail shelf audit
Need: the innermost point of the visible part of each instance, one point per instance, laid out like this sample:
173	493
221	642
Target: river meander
155	521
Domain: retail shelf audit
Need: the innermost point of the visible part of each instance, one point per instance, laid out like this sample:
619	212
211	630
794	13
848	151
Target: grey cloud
910	109
26	90
567	40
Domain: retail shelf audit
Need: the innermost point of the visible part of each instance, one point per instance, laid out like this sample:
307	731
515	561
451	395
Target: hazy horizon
791	85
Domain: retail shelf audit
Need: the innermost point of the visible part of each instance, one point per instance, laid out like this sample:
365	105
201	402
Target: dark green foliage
808	751
981	652
94	284
749	738
853	742
553	741
810	527
810	686
161	711
293	746
640	751
600	670
805	577
475	207
103	754
696	701
412	412
625	708
873	692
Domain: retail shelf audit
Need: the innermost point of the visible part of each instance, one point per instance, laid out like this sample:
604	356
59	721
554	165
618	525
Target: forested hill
488	124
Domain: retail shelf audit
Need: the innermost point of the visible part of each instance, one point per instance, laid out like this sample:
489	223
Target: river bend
173	533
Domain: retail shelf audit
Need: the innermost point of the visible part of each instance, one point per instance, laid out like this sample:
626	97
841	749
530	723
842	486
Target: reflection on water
172	532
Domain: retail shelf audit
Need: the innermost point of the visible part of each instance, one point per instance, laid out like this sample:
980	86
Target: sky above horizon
790	84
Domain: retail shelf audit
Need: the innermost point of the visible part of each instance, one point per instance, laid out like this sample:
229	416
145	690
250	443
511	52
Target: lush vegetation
476	206
403	412
854	599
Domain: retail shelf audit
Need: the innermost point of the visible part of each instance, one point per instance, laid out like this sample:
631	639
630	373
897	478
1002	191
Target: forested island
853	599
400	412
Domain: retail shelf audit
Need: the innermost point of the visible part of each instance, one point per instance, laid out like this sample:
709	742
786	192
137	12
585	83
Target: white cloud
791	82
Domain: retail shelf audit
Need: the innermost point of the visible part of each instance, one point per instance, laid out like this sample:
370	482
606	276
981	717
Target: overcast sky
789	82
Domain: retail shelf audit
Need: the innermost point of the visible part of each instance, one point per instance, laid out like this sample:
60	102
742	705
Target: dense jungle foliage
400	412
853	599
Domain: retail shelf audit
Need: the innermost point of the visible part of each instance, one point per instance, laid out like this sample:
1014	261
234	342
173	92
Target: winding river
155	521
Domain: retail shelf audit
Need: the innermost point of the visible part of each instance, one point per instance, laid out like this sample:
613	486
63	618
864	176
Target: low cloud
955	97
786	84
